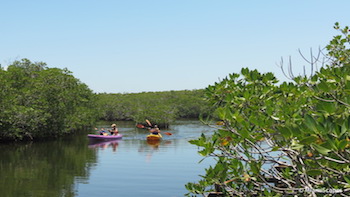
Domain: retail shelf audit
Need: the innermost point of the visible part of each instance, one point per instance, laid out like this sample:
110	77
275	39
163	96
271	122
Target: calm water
127	167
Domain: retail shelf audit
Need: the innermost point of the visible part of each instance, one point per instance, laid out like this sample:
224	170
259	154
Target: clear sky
124	46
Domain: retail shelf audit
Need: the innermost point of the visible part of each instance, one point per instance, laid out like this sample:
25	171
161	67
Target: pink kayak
93	136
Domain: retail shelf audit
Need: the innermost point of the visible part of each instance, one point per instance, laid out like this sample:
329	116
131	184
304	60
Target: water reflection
144	168
44	168
150	147
113	144
131	166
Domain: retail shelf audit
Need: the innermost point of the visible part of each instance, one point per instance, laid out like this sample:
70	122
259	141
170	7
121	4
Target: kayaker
114	130
103	132
155	130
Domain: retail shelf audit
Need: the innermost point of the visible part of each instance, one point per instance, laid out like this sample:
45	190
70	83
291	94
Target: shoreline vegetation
161	108
38	102
288	139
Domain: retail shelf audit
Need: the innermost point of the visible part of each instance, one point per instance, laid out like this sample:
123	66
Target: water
127	167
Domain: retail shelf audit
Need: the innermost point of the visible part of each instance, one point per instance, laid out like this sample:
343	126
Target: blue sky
117	46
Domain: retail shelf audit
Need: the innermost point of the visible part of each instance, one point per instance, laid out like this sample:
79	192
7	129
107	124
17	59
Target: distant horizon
147	91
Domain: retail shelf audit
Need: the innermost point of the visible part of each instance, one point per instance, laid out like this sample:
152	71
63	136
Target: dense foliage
287	139
159	107
37	101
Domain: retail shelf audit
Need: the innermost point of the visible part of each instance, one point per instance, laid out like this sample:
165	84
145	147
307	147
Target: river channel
74	166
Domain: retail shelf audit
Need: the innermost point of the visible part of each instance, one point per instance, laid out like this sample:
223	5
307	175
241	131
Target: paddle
149	123
141	126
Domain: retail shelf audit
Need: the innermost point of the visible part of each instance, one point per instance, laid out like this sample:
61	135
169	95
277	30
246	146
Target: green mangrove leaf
285	132
329	107
321	149
308	140
295	145
314	172
347	179
323	86
310	123
342	144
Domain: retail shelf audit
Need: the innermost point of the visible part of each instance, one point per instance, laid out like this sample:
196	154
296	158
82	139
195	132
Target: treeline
160	108
39	102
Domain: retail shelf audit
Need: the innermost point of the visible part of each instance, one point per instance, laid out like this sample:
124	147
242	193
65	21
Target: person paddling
114	130
155	130
103	132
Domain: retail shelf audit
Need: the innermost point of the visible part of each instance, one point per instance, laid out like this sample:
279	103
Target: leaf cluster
281	139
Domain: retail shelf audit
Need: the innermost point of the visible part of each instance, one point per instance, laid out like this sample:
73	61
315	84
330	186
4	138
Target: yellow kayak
154	136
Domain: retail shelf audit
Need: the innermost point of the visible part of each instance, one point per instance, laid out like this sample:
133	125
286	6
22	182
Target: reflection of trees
44	168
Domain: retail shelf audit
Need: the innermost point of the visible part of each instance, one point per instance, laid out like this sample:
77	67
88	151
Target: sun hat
113	125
